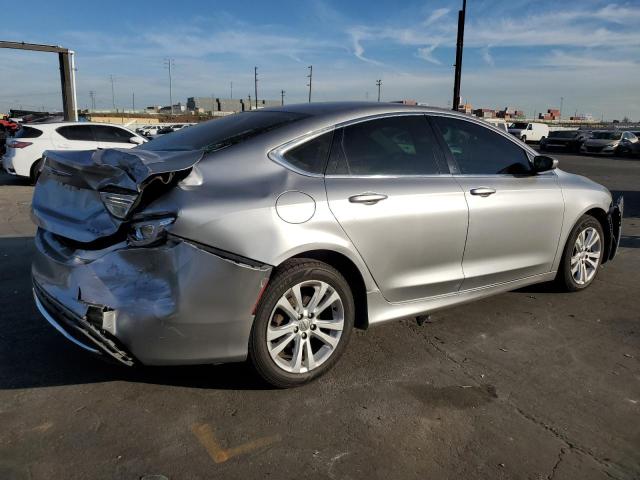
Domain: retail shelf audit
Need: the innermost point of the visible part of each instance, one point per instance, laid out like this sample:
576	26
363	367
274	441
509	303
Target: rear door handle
482	191
368	198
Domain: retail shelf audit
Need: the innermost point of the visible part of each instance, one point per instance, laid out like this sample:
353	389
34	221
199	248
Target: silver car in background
271	234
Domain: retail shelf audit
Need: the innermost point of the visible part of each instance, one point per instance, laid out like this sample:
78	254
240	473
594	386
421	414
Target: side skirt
381	311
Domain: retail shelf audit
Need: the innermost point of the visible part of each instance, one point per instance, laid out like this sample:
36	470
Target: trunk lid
68	201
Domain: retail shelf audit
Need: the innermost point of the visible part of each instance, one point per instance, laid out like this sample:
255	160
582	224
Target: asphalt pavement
531	384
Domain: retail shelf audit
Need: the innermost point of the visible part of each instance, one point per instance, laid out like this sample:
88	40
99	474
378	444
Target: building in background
484	112
552	114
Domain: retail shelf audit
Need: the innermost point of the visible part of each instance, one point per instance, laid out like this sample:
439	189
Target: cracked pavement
531	384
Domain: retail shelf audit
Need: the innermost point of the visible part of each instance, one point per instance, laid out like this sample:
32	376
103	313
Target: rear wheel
582	255
303	323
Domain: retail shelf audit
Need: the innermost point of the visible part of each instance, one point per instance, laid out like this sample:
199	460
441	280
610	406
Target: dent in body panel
173	303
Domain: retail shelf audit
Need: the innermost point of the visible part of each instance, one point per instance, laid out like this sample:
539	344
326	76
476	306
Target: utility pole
133	101
282	92
459	48
255	84
379	84
113	95
249	101
561	102
310	77
170	63
231	95
92	95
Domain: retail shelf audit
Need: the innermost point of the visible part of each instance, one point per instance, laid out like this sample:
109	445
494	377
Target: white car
25	149
529	132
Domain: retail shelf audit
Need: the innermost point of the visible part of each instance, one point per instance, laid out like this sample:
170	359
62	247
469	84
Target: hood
600	142
68	198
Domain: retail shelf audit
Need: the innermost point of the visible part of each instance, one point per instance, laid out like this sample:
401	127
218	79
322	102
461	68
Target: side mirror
136	140
544	163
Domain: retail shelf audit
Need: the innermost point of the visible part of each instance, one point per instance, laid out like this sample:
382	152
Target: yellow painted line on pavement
207	439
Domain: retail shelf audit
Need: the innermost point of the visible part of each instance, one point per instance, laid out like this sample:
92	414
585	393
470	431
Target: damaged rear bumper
614	217
172	304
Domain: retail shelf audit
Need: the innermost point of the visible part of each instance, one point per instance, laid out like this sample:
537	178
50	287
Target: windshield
563	134
217	134
607	135
519	125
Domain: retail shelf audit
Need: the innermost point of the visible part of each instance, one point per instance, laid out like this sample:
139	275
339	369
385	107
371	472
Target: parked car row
151	131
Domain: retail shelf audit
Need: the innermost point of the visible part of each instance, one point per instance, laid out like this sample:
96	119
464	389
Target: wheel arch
600	215
352	275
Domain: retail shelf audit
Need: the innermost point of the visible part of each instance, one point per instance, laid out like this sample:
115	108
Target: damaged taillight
149	232
118	204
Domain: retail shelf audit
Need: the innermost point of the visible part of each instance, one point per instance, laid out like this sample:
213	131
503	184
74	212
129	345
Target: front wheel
303	323
582	255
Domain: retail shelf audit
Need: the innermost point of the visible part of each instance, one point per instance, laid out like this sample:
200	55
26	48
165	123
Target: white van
529	132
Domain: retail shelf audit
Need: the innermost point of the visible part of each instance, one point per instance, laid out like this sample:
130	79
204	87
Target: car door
515	216
390	189
109	136
74	137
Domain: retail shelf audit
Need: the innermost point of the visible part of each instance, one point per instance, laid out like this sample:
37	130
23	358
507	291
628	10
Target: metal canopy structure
67	73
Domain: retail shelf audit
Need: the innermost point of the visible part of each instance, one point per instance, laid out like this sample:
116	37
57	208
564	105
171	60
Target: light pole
561	102
113	95
379	84
231	85
310	77
92	95
170	63
255	85
282	92
459	48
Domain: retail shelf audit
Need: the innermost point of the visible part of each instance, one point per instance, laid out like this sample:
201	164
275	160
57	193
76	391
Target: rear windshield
28	132
217	134
563	134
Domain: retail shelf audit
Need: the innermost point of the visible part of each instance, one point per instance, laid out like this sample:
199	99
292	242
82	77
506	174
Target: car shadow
11	180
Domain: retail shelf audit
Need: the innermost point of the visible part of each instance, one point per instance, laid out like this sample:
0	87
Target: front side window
105	133
312	155
481	151
399	145
81	133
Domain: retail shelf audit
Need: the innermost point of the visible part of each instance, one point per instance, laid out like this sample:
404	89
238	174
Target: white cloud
436	15
487	57
426	53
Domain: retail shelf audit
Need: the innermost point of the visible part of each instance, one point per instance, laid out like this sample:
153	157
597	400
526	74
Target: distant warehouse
225	105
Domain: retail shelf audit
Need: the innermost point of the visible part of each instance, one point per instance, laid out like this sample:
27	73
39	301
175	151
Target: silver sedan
272	234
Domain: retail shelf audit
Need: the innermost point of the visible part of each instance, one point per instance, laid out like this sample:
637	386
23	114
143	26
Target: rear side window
311	156
224	132
28	132
77	132
401	145
105	133
481	151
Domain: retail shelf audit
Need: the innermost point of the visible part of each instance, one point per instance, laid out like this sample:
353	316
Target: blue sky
518	53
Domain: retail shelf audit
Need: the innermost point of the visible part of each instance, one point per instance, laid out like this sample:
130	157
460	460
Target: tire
569	280
541	139
34	173
524	138
277	360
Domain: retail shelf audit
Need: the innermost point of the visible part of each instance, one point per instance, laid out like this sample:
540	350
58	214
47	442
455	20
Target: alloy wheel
585	257
305	326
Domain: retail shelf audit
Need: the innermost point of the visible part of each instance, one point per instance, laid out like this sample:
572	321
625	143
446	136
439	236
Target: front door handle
368	198
482	191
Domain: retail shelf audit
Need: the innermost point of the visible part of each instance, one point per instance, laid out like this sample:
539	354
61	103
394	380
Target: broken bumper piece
172	304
